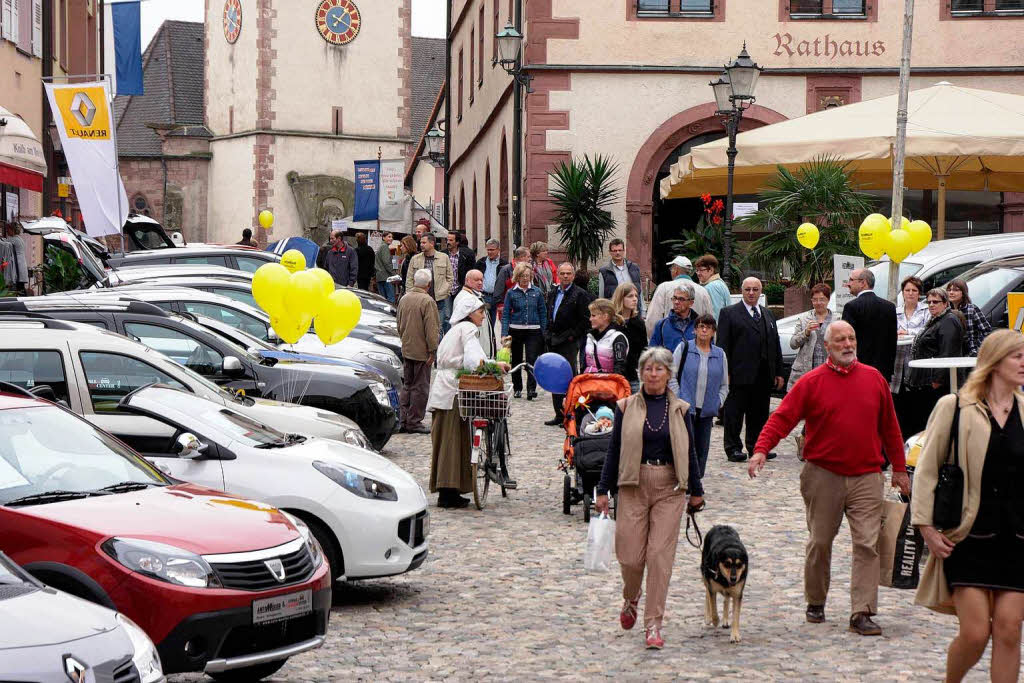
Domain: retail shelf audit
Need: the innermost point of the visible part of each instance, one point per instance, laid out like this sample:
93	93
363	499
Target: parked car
49	636
236	257
990	283
368	514
935	265
45	352
142	233
58	234
356	394
221	584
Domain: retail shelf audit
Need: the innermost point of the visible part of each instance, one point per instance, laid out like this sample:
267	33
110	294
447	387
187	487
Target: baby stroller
583	454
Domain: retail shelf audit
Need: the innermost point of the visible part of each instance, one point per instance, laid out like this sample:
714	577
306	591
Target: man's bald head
841	343
751	288
474	280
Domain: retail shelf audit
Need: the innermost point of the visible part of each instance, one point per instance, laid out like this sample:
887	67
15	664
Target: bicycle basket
488	405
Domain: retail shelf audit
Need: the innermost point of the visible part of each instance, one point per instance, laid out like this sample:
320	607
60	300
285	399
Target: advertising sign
367	191
842	266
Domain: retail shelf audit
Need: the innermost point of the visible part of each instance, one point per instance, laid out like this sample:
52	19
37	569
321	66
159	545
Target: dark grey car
47	636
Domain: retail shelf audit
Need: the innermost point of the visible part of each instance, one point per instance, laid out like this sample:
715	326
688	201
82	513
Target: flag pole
900	148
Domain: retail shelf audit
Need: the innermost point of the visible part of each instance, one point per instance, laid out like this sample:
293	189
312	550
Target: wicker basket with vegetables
482	392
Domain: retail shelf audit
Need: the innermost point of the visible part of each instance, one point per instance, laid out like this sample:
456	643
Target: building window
472	60
336	120
973	8
140	205
830	9
494	39
480	53
460	85
681	9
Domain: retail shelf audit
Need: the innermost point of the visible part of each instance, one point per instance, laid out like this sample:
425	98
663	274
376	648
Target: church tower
296	91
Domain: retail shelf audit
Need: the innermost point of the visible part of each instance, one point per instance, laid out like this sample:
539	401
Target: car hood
361	459
49	617
297	373
187	516
291	417
298	357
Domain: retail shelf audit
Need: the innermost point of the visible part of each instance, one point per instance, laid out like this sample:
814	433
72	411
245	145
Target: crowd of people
692	356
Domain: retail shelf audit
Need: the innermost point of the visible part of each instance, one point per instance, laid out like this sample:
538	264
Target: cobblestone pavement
504	596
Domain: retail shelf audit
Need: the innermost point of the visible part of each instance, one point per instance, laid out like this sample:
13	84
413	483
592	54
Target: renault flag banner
82	114
367	196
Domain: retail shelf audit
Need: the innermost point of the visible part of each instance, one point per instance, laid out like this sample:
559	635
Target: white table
952	363
905	340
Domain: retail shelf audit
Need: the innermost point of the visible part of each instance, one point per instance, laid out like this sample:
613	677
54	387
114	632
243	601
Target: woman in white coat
460	349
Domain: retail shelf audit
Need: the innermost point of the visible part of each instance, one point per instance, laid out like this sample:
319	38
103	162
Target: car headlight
355	437
381	393
144	657
162	562
389	358
312	544
358	483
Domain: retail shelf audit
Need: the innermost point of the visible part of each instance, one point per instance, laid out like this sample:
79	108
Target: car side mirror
272	336
190	447
44	391
232	366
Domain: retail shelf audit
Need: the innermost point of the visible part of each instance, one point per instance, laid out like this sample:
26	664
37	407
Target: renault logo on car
276	569
75	669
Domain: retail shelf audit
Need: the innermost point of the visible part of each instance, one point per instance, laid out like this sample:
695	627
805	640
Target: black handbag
949	490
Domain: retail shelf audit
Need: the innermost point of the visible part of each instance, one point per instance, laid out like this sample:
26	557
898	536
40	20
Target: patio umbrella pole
900	148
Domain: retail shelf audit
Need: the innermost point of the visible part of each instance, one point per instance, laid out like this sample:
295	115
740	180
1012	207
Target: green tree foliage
583	195
821	193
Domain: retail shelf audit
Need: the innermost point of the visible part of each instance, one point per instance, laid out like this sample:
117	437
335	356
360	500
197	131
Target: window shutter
12	33
37	28
5	19
24	25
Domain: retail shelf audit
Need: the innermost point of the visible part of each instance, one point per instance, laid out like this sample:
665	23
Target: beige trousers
828	496
647	521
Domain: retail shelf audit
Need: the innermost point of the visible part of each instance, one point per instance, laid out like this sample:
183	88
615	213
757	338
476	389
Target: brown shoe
861	624
815	614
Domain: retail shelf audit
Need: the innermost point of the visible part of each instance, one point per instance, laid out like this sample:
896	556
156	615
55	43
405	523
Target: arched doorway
503	197
487	206
475	220
461	225
686	129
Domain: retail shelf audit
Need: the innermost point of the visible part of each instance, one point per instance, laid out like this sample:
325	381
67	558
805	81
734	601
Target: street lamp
510	45
734	93
435	145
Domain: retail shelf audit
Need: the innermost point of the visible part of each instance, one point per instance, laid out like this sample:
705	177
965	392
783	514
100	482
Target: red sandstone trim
263	156
717	15
870	12
946	12
846	89
405	74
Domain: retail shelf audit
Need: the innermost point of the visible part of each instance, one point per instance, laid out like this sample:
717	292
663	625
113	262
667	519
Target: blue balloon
553	373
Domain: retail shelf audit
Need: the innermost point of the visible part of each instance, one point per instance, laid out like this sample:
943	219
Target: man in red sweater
849	417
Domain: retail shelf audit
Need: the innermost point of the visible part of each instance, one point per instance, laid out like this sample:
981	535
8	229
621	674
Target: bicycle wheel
481	480
501	453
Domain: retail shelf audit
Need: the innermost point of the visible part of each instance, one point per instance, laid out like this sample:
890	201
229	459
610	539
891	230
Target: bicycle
489	412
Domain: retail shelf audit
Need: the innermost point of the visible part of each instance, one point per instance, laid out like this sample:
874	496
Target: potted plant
487	377
583	195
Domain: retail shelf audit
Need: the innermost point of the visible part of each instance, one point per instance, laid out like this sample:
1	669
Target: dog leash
691	516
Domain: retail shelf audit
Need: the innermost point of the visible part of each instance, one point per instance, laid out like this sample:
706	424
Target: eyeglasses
935	302
681	298
856	278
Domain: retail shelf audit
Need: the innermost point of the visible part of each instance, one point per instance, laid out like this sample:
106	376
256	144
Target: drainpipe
517	137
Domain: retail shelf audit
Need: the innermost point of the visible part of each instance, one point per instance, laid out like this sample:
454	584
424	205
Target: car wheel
327	541
248	673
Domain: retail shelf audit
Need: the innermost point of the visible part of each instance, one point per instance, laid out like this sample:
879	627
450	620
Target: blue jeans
386	290
444	309
702	438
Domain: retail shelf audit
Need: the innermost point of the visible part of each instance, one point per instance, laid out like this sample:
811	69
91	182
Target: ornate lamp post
435	145
510	45
734	93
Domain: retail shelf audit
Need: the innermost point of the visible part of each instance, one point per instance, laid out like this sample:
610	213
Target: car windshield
985	285
46	449
208	418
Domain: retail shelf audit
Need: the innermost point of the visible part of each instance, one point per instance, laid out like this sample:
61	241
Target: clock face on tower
232	20
338	21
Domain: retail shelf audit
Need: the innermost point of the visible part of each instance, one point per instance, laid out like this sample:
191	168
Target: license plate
282	607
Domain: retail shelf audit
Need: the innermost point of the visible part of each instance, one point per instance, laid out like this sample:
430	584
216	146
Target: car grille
15	590
412	530
126	673
247	640
255	576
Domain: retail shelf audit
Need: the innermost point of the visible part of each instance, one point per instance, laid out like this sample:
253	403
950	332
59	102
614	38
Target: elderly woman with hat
460	349
653	464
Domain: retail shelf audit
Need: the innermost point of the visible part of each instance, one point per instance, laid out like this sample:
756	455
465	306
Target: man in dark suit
874	322
568	322
748	335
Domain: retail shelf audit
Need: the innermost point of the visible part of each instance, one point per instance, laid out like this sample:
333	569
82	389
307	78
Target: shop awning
22	163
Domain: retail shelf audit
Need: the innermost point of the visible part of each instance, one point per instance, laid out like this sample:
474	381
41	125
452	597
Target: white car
369	515
35	352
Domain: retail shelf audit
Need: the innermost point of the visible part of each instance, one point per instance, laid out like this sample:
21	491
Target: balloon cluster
294	298
877	237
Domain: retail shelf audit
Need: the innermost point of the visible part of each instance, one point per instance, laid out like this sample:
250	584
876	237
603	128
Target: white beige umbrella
957	139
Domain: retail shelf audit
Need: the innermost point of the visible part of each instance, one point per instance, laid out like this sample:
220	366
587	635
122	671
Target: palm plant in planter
583	195
820	192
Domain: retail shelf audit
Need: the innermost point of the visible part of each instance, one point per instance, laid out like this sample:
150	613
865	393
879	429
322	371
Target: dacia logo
276	569
83	109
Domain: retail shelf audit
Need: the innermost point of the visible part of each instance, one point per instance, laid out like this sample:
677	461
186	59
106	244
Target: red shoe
627	617
654	639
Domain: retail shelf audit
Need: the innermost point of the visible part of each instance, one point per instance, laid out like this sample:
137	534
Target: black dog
724	568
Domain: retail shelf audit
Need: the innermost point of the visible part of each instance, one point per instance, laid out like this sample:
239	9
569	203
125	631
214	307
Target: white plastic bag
597	557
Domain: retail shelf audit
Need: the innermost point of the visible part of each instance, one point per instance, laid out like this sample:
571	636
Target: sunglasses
935	303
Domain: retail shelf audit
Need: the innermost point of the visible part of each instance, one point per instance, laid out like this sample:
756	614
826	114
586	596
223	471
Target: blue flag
367	197
126	18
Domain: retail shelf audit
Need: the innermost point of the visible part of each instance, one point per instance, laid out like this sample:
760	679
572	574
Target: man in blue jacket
679	324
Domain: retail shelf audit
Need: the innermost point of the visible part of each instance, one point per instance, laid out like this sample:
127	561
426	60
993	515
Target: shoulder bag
949	490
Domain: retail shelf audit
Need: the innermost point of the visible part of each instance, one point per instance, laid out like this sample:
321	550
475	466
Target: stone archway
668	136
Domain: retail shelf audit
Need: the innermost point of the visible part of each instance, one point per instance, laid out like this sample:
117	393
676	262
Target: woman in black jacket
942	337
627	303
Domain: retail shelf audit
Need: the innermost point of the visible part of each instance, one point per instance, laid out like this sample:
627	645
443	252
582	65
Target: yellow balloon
290	328
293	260
268	285
920	235
266	218
325	279
877	221
897	245
904	222
338	316
807	235
304	294
872	242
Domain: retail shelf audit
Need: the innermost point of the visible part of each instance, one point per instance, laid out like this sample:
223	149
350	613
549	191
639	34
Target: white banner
83	117
842	266
391	197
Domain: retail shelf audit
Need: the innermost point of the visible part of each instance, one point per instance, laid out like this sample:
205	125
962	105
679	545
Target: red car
222	585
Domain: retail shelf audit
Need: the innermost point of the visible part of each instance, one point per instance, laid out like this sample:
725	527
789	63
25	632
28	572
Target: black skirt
992	555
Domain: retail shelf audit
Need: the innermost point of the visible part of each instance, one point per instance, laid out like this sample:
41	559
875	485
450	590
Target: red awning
19	177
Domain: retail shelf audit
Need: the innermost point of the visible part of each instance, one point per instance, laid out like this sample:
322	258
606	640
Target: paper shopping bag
899	547
597	557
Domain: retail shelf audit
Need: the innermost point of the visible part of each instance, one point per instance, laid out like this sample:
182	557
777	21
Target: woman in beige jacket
976	570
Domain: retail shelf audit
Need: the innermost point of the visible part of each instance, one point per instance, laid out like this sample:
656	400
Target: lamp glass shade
509	43
722	91
434	137
743	74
